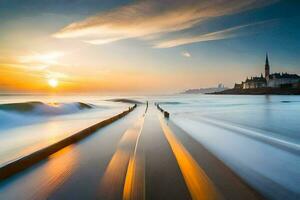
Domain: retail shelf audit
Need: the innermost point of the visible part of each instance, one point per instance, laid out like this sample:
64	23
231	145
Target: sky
143	46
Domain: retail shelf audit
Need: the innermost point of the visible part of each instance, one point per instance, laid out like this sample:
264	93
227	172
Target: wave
40	108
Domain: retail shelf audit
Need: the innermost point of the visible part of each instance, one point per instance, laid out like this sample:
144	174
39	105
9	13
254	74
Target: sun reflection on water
60	166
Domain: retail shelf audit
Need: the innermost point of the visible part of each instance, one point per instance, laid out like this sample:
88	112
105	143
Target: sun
53	82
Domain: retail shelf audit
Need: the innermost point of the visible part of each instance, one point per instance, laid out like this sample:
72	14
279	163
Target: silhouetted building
276	80
267	68
283	80
255	82
238	86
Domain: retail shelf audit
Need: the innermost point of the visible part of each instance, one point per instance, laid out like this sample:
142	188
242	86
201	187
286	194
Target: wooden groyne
165	113
25	162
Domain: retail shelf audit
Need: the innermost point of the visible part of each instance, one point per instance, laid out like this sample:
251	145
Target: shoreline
260	91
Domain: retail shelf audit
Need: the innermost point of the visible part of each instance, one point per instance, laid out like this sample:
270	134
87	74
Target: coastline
260	91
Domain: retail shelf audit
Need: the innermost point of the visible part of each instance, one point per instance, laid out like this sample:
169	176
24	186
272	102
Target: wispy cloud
50	58
35	64
144	19
217	35
103	41
186	54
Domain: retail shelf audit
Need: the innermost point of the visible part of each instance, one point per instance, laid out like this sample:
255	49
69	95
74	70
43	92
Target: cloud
144	19
50	58
103	41
217	35
186	54
35	64
29	71
57	75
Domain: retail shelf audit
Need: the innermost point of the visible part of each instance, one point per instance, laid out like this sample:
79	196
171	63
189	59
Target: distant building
267	68
283	80
276	80
255	82
238	86
219	88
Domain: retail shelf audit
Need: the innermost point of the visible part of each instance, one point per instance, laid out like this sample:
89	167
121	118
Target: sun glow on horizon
53	83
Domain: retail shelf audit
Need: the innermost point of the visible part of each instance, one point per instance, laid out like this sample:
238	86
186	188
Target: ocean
29	122
256	136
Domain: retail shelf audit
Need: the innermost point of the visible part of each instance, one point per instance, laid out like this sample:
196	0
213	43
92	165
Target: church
276	80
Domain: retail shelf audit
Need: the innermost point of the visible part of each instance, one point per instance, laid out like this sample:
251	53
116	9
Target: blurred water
256	136
22	133
275	115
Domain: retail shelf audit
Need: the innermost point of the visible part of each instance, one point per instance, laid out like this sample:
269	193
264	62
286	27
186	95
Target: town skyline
270	79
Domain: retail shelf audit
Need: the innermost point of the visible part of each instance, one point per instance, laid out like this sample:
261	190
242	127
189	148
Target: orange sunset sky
142	46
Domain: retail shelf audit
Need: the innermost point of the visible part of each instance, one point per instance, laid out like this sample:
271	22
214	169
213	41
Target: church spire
267	67
267	60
